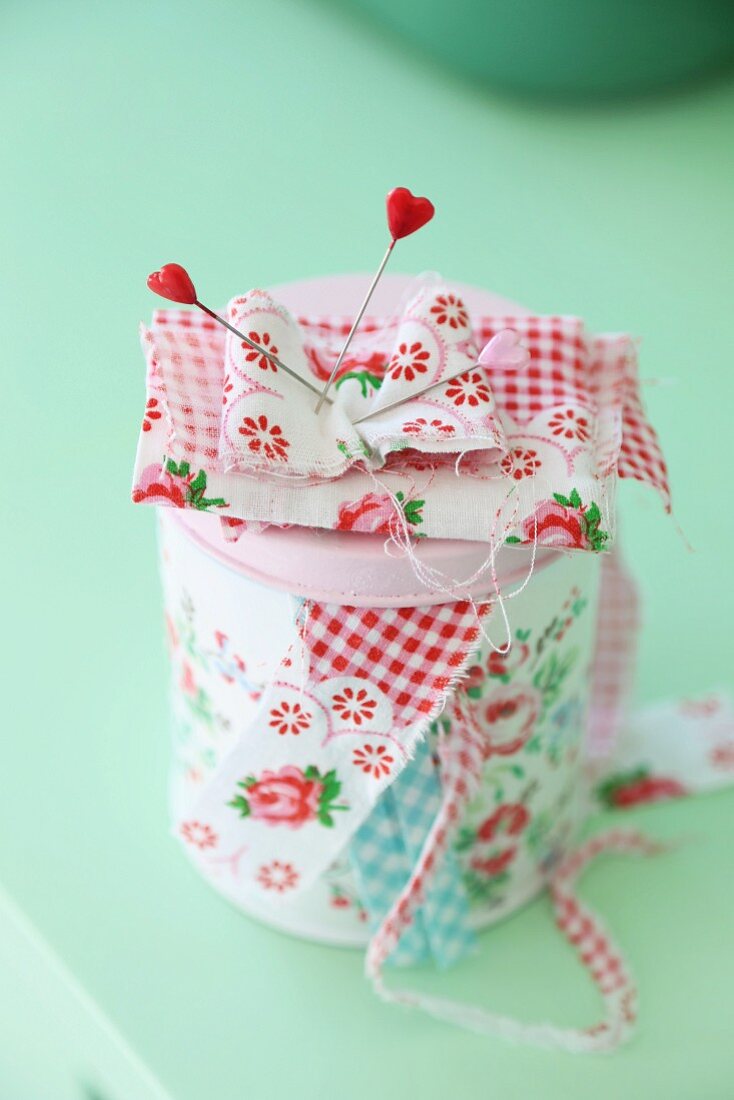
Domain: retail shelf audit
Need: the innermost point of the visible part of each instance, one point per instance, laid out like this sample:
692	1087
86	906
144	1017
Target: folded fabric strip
336	726
268	427
538	451
584	930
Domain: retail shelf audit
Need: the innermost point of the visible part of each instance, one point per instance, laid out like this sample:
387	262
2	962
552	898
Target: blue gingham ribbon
383	853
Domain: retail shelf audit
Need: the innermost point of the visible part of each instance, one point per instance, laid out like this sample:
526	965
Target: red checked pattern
193	387
411	653
615	657
559	373
564	370
595	948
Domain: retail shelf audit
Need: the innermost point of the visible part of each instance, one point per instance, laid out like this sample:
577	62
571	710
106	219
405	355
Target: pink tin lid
353	568
350	567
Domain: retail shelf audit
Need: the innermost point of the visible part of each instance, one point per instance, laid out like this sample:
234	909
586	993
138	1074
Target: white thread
435	581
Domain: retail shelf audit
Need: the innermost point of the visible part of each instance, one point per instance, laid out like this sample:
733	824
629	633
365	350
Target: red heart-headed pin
407	212
173	282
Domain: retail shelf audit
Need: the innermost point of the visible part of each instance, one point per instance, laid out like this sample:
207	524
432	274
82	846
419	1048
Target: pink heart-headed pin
504	352
173	282
407	213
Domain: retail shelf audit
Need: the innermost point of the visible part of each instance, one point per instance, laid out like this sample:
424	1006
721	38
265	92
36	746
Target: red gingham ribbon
584	930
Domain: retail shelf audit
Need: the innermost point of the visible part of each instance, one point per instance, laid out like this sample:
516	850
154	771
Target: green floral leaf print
363	451
180	470
550	676
368	382
465	839
591	518
538	831
488	890
440	725
239	802
412	509
193	488
198	485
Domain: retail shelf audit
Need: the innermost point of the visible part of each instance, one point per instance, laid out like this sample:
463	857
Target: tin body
230	609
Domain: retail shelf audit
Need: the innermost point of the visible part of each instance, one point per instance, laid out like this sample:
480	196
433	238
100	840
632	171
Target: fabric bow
269	426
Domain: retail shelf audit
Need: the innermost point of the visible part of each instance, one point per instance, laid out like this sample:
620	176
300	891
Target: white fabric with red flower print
268	430
491	453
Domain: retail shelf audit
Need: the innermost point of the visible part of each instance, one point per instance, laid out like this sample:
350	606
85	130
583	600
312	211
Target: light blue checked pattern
383	853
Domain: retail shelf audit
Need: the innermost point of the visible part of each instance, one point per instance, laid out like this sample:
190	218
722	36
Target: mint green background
254	143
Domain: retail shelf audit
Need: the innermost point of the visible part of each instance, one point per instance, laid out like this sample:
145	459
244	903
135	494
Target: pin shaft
256	347
412	396
355	326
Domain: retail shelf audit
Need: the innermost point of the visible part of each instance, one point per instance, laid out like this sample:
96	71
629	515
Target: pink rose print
421	426
277	876
252	356
700	708
174	484
263	439
373	760
503	665
722	756
470	389
566	523
570	425
509	819
637	787
557	526
450	310
160	487
519	463
188	683
290	797
373	514
409	361
495	864
509	718
290	718
199	835
152	412
171	633
474	678
354	706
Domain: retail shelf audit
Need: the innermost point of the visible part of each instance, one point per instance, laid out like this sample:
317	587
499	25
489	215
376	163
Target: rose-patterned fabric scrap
325	744
494	451
383	853
667	750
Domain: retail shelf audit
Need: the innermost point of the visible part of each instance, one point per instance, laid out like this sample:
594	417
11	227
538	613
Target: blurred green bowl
569	48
